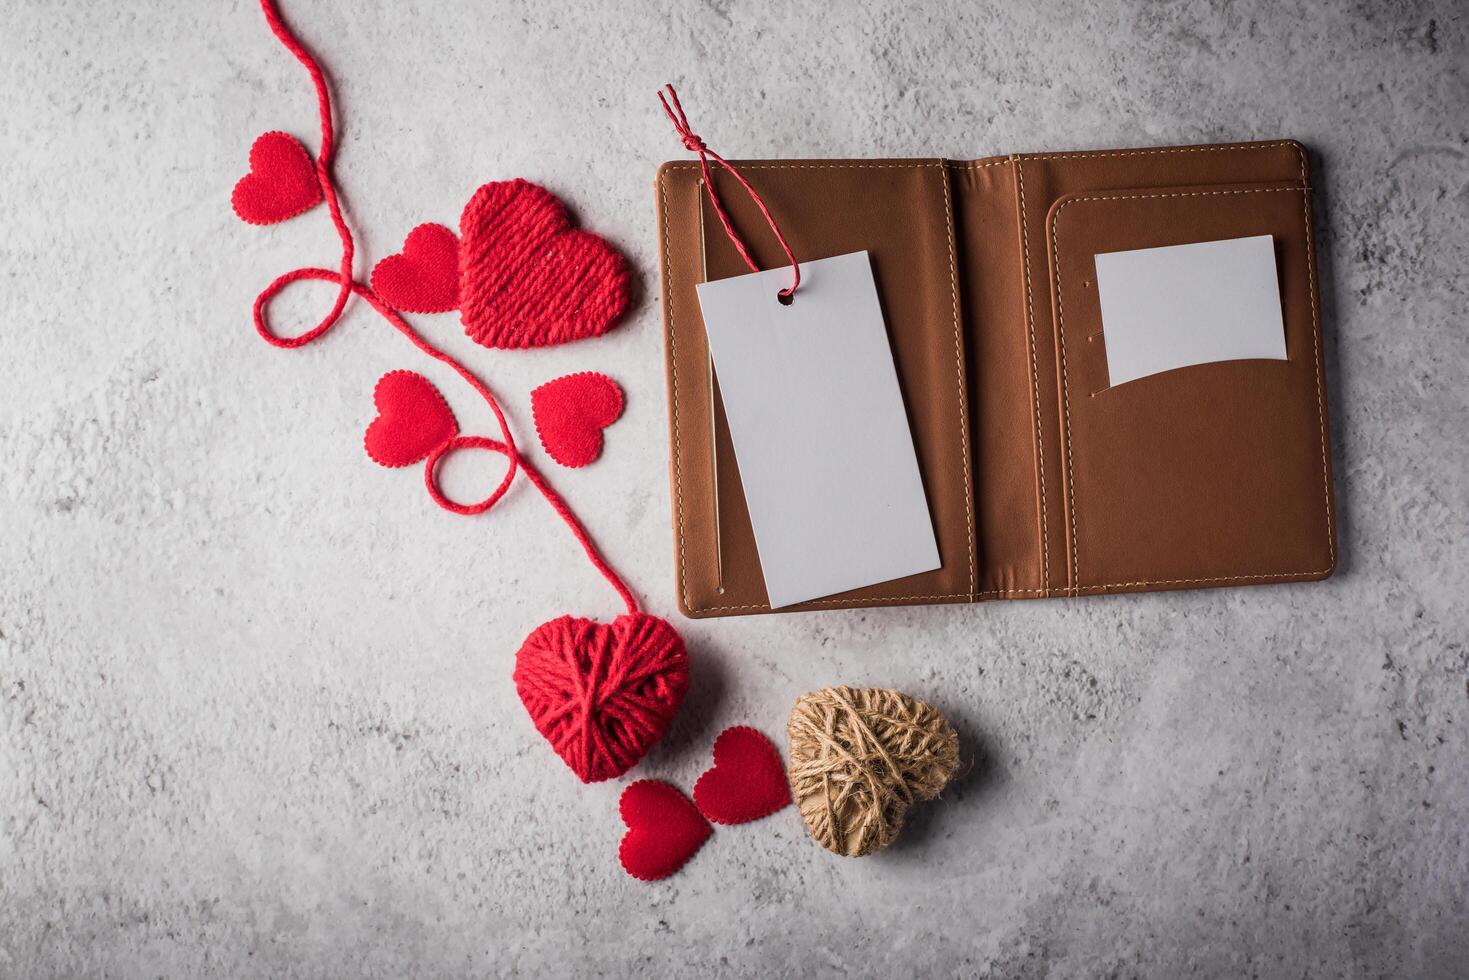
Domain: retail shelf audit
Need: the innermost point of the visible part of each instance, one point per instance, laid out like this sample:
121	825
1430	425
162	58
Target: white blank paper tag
817	420
1165	308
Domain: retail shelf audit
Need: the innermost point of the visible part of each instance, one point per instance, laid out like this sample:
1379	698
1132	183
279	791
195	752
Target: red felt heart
747	781
424	277
281	183
602	694
663	830
572	411
412	421
527	279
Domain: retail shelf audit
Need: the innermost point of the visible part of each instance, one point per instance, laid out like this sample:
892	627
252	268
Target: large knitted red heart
413	419
747	781
663	830
424	277
526	277
602	694
281	183
571	412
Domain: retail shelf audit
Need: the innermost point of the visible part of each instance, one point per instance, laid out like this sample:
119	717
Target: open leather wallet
1041	479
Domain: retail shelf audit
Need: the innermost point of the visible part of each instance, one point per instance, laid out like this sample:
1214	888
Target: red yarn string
328	190
348	285
557	502
691	141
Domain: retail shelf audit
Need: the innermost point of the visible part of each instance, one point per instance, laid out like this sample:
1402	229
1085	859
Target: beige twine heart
860	758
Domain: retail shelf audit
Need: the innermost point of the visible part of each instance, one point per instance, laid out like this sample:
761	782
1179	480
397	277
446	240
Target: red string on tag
692	141
347	286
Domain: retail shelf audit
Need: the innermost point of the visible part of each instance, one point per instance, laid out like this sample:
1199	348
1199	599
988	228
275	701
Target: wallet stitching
799	606
1320	404
1240	147
1198	581
959	382
911	165
1035	398
673	362
1316	348
673	356
975	165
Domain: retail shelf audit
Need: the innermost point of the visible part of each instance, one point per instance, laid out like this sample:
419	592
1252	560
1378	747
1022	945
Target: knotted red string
505	445
691	141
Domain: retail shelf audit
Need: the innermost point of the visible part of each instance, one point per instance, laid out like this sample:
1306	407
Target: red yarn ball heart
526	277
424	277
281	183
602	694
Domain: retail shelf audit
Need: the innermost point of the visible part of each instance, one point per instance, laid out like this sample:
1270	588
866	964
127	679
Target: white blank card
1165	308
816	417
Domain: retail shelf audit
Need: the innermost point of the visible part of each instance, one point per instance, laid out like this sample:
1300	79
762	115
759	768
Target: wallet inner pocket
1208	474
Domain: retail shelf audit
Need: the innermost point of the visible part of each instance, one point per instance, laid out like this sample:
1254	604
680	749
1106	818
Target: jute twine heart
860	758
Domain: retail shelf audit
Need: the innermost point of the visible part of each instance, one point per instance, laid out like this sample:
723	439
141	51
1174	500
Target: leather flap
1213	474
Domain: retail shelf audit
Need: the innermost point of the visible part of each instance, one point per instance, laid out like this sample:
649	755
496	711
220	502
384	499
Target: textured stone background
255	715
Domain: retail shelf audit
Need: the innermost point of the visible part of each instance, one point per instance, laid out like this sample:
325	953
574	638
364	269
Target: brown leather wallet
1041	480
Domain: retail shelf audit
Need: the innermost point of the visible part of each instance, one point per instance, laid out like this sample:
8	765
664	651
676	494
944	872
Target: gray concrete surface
255	710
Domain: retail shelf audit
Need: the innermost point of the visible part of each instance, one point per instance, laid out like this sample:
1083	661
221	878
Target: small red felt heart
281	183
571	412
663	830
424	277
747	781
412	421
602	694
527	279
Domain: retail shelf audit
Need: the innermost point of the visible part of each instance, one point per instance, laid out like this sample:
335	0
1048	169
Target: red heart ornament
571	412
281	183
663	830
412	421
747	782
527	278
602	694
424	277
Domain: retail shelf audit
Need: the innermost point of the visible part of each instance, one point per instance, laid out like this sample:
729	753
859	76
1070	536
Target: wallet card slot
1040	181
1211	474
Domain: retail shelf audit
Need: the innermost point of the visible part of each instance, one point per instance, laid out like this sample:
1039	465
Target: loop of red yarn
602	694
431	473
324	155
691	141
520	464
347	286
